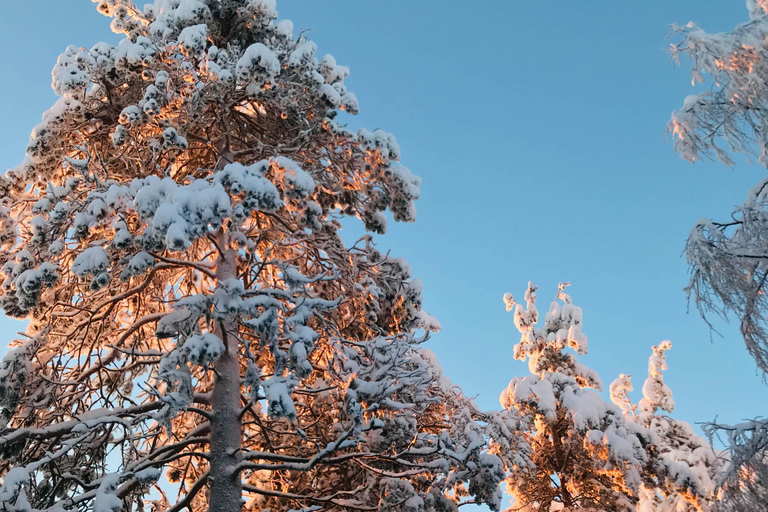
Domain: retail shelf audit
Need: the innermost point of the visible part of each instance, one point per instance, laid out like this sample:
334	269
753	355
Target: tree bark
561	457
226	439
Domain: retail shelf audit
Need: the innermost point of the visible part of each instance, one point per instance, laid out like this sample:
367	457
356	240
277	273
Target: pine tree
583	454
686	455
199	335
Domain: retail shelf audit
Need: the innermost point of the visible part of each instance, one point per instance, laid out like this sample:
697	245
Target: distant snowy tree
199	334
729	259
687	456
584	454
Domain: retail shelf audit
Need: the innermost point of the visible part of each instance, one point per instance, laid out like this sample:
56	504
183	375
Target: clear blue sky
538	130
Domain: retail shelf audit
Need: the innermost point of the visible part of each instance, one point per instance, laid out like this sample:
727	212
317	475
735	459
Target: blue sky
538	130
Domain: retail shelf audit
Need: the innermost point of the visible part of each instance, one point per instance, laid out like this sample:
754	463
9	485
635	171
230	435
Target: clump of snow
106	499
71	75
130	115
171	138
130	54
193	39
93	260
203	349
296	177
258	63
148	475
656	394
13	483
137	265
258	193
303	54
181	213
277	390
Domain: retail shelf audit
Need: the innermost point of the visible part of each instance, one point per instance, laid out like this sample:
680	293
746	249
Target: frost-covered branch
729	260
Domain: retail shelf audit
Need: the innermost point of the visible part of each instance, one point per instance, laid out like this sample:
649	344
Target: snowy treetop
580	452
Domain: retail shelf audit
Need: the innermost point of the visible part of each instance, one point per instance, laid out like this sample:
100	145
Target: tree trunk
561	457
226	486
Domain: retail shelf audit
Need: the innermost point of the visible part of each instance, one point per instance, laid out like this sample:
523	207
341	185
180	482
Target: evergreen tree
584	454
199	335
687	455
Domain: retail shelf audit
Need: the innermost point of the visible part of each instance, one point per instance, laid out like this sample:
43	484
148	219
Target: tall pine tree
199	335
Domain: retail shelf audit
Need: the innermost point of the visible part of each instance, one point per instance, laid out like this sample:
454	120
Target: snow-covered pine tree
729	259
199	335
687	455
584	454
